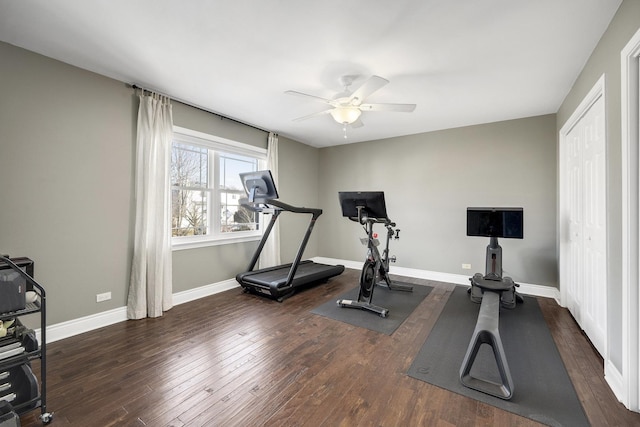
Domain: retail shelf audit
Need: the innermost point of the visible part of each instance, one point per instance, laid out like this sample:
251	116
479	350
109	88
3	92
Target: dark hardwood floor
239	360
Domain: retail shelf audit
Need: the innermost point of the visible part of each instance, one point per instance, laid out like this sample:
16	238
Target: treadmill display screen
259	185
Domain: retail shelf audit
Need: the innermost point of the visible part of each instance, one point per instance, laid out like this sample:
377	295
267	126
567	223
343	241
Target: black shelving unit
19	386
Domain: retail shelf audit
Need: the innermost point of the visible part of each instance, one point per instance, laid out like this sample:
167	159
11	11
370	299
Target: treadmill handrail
256	206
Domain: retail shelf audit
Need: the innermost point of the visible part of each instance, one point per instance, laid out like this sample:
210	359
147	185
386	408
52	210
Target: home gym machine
281	281
368	208
492	291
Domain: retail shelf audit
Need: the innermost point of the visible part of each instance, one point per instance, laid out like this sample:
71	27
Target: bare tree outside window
206	191
189	182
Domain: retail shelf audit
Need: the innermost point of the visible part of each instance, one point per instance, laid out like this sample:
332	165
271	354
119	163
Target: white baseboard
73	327
613	377
458	279
70	328
204	291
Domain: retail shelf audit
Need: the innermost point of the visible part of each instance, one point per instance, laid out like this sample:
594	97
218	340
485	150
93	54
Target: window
206	190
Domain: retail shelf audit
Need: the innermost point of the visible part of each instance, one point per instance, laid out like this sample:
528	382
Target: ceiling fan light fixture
345	115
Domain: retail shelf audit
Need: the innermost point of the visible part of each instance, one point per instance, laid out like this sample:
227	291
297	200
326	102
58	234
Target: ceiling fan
347	106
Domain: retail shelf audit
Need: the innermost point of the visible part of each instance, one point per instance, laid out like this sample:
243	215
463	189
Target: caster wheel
46	417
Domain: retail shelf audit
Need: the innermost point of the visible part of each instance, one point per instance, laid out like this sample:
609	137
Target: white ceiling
462	62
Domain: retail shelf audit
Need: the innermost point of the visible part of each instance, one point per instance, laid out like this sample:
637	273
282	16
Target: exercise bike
368	208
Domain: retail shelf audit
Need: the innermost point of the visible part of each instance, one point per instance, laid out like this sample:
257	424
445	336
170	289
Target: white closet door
573	172
594	320
586	263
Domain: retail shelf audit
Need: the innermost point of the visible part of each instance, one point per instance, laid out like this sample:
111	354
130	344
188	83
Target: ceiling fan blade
306	95
320	113
404	108
367	88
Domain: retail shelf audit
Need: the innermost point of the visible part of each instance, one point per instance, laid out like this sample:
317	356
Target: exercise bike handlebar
365	219
392	231
374	220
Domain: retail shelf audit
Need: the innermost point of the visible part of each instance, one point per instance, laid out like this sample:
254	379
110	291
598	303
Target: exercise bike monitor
371	202
259	185
495	222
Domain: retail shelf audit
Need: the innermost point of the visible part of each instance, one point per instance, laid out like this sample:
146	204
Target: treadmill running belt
307	272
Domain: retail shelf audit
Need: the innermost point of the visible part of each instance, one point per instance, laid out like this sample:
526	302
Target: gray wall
430	179
67	146
298	187
66	167
605	59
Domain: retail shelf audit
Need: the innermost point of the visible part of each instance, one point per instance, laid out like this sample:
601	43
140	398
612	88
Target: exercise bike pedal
392	259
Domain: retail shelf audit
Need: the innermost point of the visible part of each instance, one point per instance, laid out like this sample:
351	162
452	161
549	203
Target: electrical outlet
103	297
466	266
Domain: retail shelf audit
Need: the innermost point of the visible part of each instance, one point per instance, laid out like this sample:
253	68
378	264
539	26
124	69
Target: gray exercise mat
542	388
399	303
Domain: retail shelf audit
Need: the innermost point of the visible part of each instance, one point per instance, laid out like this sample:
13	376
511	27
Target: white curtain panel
150	288
270	255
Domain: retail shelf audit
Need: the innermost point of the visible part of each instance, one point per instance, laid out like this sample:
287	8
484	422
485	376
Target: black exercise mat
542	388
399	303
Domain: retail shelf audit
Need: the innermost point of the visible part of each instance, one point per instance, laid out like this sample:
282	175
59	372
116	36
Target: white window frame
217	144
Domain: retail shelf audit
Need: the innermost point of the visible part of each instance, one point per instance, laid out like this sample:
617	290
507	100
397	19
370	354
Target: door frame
629	392
596	92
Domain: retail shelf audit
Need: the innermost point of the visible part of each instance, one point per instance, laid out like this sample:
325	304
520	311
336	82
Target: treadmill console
259	185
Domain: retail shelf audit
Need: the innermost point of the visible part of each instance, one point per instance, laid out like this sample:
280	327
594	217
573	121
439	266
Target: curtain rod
135	86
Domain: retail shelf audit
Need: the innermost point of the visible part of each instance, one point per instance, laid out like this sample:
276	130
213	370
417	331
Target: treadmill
281	281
